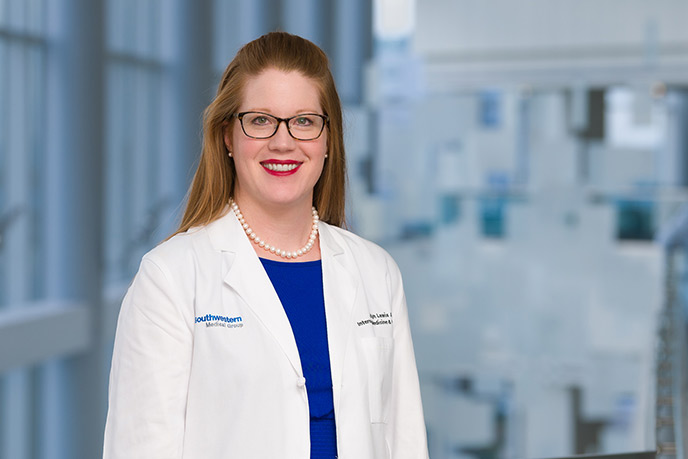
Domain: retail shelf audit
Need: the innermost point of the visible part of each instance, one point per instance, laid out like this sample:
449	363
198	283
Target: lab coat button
301	381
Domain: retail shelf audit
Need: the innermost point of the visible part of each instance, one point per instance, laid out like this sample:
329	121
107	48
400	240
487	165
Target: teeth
280	167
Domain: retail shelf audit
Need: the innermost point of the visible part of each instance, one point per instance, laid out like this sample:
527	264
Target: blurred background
525	162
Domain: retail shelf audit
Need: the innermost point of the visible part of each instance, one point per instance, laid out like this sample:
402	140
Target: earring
326	155
229	153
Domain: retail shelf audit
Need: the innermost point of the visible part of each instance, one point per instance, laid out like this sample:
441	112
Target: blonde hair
213	182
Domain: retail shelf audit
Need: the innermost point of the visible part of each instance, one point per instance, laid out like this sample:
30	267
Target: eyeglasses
258	125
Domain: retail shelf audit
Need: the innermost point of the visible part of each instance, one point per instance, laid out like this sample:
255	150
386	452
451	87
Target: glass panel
128	38
113	24
35	13
35	123
133	134
4	5
23	189
225	33
22	104
133	149
125	23
23	16
4	108
153	133
115	209
134	23
16	15
148	25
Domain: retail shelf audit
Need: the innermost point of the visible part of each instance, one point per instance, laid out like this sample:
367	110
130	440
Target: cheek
244	147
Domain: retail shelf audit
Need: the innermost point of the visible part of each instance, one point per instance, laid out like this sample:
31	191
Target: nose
282	140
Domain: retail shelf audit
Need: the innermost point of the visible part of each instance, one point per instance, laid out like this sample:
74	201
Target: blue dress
299	286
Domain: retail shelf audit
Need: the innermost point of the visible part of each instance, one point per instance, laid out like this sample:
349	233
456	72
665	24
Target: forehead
281	93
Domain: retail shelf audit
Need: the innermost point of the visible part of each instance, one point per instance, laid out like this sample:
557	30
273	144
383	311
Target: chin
290	198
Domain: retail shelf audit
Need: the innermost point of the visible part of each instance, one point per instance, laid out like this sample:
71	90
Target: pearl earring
229	153
326	155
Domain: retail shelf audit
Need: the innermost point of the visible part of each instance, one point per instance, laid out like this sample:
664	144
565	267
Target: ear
227	135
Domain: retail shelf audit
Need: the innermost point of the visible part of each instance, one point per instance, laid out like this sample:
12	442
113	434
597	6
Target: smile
281	168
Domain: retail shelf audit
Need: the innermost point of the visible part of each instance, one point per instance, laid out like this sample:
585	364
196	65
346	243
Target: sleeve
407	434
150	370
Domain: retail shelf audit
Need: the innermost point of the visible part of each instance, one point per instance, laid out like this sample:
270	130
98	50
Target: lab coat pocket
379	353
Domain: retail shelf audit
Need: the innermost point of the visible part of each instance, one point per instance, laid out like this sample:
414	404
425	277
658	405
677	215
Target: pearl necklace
270	248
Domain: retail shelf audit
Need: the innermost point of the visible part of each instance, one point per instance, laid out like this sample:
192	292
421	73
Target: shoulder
364	251
171	269
180	252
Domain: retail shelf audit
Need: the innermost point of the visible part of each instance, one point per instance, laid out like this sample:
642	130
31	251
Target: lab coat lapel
340	290
247	277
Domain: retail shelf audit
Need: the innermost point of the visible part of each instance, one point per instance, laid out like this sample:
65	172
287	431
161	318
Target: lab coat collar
227	235
246	275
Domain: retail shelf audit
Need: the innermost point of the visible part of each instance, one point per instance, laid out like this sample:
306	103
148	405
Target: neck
286	227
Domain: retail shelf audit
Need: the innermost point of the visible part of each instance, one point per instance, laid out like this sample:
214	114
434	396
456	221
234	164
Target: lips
280	167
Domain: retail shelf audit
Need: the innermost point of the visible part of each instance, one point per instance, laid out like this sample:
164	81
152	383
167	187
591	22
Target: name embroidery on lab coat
382	318
211	320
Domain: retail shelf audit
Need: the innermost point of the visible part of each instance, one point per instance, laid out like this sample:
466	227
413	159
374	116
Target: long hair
213	182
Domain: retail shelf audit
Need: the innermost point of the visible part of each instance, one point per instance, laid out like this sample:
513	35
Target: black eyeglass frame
240	117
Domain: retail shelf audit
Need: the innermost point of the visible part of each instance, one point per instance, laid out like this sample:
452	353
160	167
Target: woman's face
279	170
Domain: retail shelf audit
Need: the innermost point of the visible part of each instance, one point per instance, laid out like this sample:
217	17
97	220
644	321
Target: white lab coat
205	364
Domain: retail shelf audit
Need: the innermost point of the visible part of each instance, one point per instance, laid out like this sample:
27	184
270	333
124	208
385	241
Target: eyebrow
297	112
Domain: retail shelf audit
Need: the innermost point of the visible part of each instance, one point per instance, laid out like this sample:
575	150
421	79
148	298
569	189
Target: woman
262	329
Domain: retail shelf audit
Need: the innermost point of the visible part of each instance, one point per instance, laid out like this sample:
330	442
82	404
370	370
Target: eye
303	121
260	120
